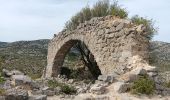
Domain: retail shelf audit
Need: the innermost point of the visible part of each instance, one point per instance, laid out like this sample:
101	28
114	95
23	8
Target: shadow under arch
62	52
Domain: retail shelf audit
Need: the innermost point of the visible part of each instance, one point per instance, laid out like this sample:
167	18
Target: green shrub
68	89
64	87
2	80
53	84
167	84
35	76
143	86
100	9
2	92
104	8
149	23
116	10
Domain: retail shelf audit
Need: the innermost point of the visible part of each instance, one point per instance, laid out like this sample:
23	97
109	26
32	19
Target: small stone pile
21	87
17	86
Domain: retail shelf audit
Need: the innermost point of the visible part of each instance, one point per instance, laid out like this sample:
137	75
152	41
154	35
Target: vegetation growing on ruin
143	85
149	23
105	8
100	9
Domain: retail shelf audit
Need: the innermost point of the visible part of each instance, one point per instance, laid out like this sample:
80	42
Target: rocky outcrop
16	94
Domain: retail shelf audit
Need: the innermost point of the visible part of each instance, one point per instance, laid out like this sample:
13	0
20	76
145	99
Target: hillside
160	54
26	56
30	56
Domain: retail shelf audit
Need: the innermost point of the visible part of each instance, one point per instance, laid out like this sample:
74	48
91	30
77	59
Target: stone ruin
115	44
120	48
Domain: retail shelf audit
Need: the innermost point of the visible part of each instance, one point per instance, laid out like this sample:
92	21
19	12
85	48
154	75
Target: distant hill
3	44
26	56
160	55
30	56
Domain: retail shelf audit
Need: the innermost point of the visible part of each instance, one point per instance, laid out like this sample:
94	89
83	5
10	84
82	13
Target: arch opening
75	61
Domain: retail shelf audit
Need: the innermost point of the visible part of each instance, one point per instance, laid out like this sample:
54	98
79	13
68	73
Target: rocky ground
17	86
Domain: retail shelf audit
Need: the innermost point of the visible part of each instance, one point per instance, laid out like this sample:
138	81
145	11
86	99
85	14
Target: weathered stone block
107	78
16	94
98	89
20	79
120	26
121	87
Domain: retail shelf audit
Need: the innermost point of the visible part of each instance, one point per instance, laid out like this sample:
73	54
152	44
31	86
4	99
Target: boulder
115	23
128	77
139	71
16	72
35	85
121	87
150	68
120	26
159	87
48	91
98	89
16	94
20	79
2	97
81	90
133	74
57	90
152	74
166	93
38	97
106	78
7	85
102	83
7	73
70	81
159	80
36	92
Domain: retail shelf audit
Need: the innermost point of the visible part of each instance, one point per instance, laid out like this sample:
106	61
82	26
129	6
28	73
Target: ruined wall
114	43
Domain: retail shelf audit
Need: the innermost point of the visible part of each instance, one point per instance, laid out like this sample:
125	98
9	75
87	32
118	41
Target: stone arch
113	42
60	56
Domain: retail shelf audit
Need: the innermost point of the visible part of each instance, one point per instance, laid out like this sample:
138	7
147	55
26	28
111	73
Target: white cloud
35	19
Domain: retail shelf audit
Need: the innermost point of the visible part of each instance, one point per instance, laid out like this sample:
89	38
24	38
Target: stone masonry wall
114	43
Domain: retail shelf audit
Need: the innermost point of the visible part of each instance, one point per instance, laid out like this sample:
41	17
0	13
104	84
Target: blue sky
40	19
